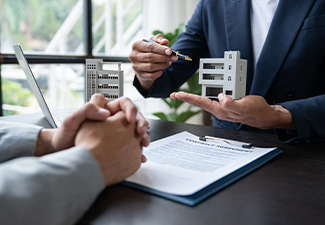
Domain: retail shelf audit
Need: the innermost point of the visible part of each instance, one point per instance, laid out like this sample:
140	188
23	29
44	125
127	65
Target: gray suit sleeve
17	140
53	189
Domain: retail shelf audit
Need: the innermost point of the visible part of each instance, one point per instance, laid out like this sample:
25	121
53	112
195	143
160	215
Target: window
43	27
62	34
116	25
62	86
57	37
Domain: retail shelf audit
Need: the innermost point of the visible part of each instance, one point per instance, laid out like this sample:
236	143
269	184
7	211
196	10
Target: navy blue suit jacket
289	72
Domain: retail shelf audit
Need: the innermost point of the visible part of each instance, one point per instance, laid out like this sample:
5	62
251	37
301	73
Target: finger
123	104
142	125
99	100
151	67
229	104
146	76
152	47
131	112
88	111
154	57
145	141
173	95
143	159
199	101
160	39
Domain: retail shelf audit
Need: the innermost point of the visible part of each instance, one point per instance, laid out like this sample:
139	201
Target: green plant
193	87
14	94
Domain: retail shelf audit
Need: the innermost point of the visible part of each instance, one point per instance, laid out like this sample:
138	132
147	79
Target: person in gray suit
52	176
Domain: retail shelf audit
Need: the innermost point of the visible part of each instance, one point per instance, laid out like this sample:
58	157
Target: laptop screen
33	85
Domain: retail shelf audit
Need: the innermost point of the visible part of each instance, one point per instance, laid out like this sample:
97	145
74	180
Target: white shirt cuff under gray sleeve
54	189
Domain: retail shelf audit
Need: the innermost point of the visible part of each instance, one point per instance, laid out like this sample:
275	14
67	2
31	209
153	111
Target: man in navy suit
283	42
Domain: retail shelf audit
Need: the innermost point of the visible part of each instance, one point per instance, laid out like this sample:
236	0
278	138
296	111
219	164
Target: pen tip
188	58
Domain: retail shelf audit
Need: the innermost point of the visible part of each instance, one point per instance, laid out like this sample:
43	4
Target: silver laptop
55	118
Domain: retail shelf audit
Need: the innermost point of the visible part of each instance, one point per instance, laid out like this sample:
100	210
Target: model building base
227	75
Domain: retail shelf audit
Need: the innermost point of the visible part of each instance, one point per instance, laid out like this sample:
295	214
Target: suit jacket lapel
238	33
284	28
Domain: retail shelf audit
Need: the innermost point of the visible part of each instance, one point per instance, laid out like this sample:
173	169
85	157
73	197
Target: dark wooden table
290	189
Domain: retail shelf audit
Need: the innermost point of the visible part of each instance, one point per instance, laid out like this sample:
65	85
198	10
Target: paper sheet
182	164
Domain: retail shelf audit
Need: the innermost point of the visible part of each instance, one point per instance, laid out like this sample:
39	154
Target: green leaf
169	35
193	82
179	29
160	115
181	26
186	115
167	102
197	91
171	117
13	93
172	41
176	103
155	32
172	103
193	85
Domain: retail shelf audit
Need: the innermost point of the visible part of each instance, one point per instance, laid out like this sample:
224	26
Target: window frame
63	59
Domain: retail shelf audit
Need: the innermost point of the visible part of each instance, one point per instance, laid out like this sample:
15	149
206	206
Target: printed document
182	164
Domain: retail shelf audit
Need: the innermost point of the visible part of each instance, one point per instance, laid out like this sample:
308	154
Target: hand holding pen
174	52
149	59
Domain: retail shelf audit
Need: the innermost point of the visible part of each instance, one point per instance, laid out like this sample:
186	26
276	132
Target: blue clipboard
194	199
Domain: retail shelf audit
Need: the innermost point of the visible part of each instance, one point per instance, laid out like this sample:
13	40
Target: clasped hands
114	132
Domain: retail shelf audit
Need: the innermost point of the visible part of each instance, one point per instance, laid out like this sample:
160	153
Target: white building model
109	83
227	75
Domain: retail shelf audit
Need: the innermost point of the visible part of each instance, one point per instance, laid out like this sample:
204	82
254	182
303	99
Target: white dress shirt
262	13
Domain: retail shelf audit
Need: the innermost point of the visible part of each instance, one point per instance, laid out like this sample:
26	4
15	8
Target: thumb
101	114
89	111
225	101
94	112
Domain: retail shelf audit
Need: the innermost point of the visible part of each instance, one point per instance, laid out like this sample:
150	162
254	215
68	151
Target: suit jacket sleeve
289	72
52	189
308	115
192	43
17	140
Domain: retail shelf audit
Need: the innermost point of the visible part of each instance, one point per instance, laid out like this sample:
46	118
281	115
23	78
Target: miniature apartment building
109	83
227	75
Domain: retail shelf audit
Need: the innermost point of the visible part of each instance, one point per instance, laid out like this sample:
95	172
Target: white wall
166	15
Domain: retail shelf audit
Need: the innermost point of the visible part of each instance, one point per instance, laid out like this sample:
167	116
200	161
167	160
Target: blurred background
58	35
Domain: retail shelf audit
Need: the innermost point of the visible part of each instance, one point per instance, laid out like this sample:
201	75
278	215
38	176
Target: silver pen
229	142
